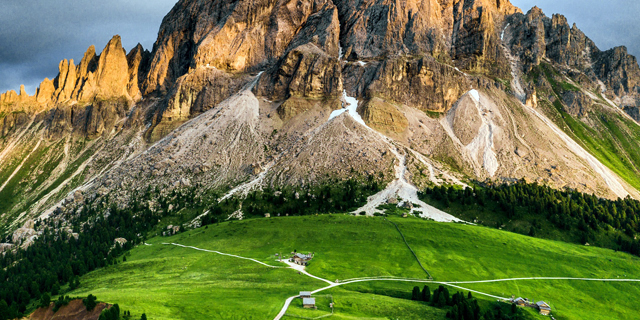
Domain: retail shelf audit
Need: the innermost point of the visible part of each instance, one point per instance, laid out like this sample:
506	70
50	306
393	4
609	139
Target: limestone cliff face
422	83
306	72
235	35
45	91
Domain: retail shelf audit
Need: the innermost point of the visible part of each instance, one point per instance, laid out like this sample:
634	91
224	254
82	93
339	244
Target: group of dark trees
461	307
598	221
335	196
56	258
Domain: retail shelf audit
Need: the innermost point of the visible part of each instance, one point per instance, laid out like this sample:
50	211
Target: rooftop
306	301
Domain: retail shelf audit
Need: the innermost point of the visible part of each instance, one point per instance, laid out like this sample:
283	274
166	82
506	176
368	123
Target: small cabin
309	303
305	294
544	308
520	302
301	259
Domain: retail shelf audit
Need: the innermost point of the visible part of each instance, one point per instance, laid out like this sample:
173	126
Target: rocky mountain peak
300	90
112	74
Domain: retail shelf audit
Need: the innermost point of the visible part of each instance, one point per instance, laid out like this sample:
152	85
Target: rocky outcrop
633	112
12	120
576	103
45	91
322	29
421	83
65	81
305	71
138	60
618	70
25	235
383	116
463	30
112	75
9	97
75	310
86	85
200	91
535	36
377	28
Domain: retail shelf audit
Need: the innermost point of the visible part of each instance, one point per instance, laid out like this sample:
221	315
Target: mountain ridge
442	81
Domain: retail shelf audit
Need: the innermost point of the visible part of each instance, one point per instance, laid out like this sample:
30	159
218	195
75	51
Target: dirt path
454	284
226	254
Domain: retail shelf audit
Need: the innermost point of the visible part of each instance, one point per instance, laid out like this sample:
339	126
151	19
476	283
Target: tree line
464	307
607	223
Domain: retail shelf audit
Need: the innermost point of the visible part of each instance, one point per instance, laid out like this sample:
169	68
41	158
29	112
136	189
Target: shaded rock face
12	120
618	70
90	121
200	91
633	112
376	28
138	61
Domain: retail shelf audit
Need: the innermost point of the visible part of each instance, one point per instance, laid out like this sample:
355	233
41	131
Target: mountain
241	95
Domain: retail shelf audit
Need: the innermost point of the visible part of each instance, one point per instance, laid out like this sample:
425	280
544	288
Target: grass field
169	282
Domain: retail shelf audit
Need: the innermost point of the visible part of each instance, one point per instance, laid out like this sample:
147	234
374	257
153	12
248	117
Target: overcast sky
36	34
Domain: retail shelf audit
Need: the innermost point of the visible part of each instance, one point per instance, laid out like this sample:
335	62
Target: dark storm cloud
609	23
36	34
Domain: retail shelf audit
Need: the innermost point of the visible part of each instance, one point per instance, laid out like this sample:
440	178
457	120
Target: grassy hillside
169	282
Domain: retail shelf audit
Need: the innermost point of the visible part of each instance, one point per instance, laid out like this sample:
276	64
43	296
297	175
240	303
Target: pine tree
90	302
144	317
55	290
426	294
416	294
45	300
